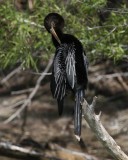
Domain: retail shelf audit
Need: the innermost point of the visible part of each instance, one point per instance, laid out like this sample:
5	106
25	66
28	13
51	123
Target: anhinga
69	70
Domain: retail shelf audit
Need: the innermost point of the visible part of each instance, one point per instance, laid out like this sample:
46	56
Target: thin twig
32	94
88	28
107	34
100	132
10	150
22	91
17	104
31	23
125	86
108	76
11	74
46	74
107	26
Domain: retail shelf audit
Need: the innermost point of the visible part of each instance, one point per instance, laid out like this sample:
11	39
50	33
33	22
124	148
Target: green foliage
22	34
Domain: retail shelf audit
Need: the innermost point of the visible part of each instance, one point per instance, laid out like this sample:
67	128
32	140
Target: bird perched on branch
69	70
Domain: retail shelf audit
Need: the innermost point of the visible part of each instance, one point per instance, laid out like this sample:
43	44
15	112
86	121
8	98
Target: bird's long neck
60	35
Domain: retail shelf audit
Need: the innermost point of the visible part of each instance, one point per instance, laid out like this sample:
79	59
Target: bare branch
11	74
47	74
97	27
17	104
100	132
4	80
32	94
31	4
31	23
123	83
9	150
22	91
108	76
106	35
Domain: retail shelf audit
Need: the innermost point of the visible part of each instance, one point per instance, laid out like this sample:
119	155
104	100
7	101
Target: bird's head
54	22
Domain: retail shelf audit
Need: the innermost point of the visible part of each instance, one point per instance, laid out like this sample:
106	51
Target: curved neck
60	35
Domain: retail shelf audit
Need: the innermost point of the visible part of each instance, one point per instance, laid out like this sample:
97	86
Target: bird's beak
55	35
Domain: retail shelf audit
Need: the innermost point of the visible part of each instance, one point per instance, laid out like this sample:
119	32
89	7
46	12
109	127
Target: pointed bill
55	35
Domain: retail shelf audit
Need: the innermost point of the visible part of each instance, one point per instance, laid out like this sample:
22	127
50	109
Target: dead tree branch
4	80
31	23
27	102
107	76
100	132
11	74
22	91
9	150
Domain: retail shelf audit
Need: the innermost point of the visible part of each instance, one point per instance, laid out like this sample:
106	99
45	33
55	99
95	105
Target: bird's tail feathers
78	113
60	106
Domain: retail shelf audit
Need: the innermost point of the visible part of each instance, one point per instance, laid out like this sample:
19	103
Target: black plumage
69	70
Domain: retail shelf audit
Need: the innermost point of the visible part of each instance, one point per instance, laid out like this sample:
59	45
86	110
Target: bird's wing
86	62
70	65
59	73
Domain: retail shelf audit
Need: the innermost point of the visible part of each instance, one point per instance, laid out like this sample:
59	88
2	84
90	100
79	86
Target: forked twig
13	151
100	132
27	102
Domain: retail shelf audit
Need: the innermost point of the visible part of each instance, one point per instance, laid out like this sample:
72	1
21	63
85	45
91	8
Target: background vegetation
101	25
28	113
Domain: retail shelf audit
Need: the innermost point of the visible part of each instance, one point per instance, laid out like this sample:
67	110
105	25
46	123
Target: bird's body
69	70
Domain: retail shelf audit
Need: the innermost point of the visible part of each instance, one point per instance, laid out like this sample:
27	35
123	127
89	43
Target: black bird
69	70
